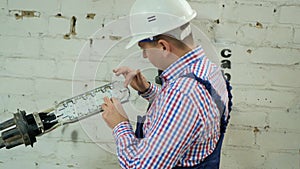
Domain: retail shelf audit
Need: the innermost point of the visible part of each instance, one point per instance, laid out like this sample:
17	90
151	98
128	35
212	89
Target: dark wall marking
226	63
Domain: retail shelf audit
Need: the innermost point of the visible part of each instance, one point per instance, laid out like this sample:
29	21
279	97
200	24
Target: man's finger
129	78
117	72
104	107
115	100
122	70
139	75
107	101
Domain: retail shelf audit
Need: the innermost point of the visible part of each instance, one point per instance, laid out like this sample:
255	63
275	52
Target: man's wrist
147	87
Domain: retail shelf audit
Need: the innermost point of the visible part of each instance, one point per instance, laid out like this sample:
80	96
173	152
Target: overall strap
213	93
213	160
139	126
217	99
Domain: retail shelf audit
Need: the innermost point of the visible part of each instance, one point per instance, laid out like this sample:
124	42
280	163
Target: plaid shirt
183	122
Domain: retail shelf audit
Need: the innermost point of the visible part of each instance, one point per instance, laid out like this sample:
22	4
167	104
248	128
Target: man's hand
133	77
113	112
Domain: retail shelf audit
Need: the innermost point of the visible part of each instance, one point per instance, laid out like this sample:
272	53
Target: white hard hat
149	18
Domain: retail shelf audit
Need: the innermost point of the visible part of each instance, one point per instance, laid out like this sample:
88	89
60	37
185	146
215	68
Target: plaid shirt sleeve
150	93
169	136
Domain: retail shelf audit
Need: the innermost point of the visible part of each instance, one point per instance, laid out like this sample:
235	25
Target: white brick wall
297	35
288	13
37	63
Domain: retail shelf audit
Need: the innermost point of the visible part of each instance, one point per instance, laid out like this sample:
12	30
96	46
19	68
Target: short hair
181	44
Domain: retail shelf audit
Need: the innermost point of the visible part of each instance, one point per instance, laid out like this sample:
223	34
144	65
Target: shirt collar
178	68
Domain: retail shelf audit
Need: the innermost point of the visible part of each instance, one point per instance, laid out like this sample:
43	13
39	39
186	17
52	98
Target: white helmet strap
181	32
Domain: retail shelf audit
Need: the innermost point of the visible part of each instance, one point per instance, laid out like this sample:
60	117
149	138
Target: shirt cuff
122	129
149	92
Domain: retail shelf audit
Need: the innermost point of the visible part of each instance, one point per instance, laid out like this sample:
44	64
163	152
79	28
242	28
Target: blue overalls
213	160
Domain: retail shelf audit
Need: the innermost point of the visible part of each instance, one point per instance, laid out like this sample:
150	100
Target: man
182	128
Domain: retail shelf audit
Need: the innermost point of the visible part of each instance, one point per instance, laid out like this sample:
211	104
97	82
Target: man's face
154	54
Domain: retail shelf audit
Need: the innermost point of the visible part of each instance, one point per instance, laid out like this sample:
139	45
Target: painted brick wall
261	41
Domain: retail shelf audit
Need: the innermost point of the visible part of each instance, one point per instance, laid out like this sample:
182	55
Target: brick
263	97
45	68
88	27
2	109
59	26
50	8
288	14
29	68
250	35
101	7
240	138
111	27
65	69
121	8
9	105
248	117
283	160
259	3
6	162
92	71
246	73
21	101
44	101
267	55
56	90
226	32
3	13
101	26
284	76
18	67
108	36
204	10
297	35
242	158
16	85
2	65
69	8
3	4
83	70
285	120
273	141
21	47
60	48
202	30
23	27
279	35
249	12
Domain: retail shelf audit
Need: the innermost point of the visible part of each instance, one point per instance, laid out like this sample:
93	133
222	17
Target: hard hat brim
136	38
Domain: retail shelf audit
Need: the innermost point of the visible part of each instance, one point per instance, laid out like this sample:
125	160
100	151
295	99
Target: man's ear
165	46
